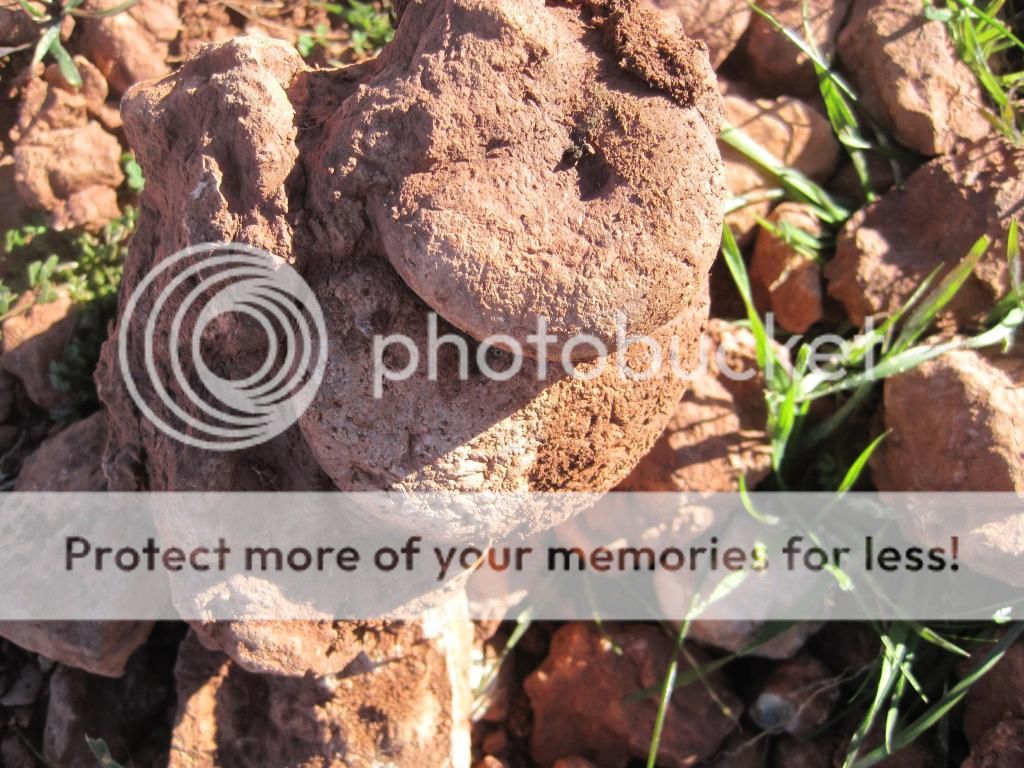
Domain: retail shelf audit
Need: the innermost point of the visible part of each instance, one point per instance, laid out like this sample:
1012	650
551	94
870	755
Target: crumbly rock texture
887	248
909	76
377	183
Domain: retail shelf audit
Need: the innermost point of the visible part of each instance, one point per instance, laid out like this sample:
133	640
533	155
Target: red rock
408	711
909	76
65	162
999	747
772	62
132	45
98	647
955	424
32	340
784	279
69	461
996	697
584	701
585	202
717	432
720	24
887	248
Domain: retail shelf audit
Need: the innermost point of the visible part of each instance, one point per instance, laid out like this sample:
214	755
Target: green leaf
101	752
66	64
944	705
855	470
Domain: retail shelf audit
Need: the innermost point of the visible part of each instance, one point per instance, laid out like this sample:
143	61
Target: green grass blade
854	472
949	700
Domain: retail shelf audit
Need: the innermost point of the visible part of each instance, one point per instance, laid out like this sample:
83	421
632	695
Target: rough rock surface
770	59
887	248
31	341
956	425
16	27
717	431
791	130
132	45
910	77
505	199
999	747
300	198
70	462
997	696
784	279
583	704
408	710
720	24
66	163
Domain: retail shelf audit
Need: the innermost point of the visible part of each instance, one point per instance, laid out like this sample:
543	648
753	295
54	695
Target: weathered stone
585	703
910	77
888	248
130	46
409	709
32	340
786	280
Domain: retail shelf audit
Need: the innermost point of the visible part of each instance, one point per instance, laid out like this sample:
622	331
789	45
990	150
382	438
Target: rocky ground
839	217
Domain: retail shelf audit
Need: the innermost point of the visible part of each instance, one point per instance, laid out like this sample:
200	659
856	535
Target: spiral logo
223	292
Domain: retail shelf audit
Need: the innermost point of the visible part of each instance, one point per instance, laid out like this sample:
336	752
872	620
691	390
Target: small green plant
50	16
308	42
133	178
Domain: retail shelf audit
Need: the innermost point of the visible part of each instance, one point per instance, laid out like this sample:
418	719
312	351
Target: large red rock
70	462
585	701
910	77
887	248
299	169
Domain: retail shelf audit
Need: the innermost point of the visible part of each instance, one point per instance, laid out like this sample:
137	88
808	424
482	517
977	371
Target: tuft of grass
988	46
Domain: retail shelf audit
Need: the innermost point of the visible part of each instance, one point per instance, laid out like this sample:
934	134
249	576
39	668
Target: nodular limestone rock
454	174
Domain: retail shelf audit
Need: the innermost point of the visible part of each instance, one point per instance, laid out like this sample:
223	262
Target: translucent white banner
619	556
